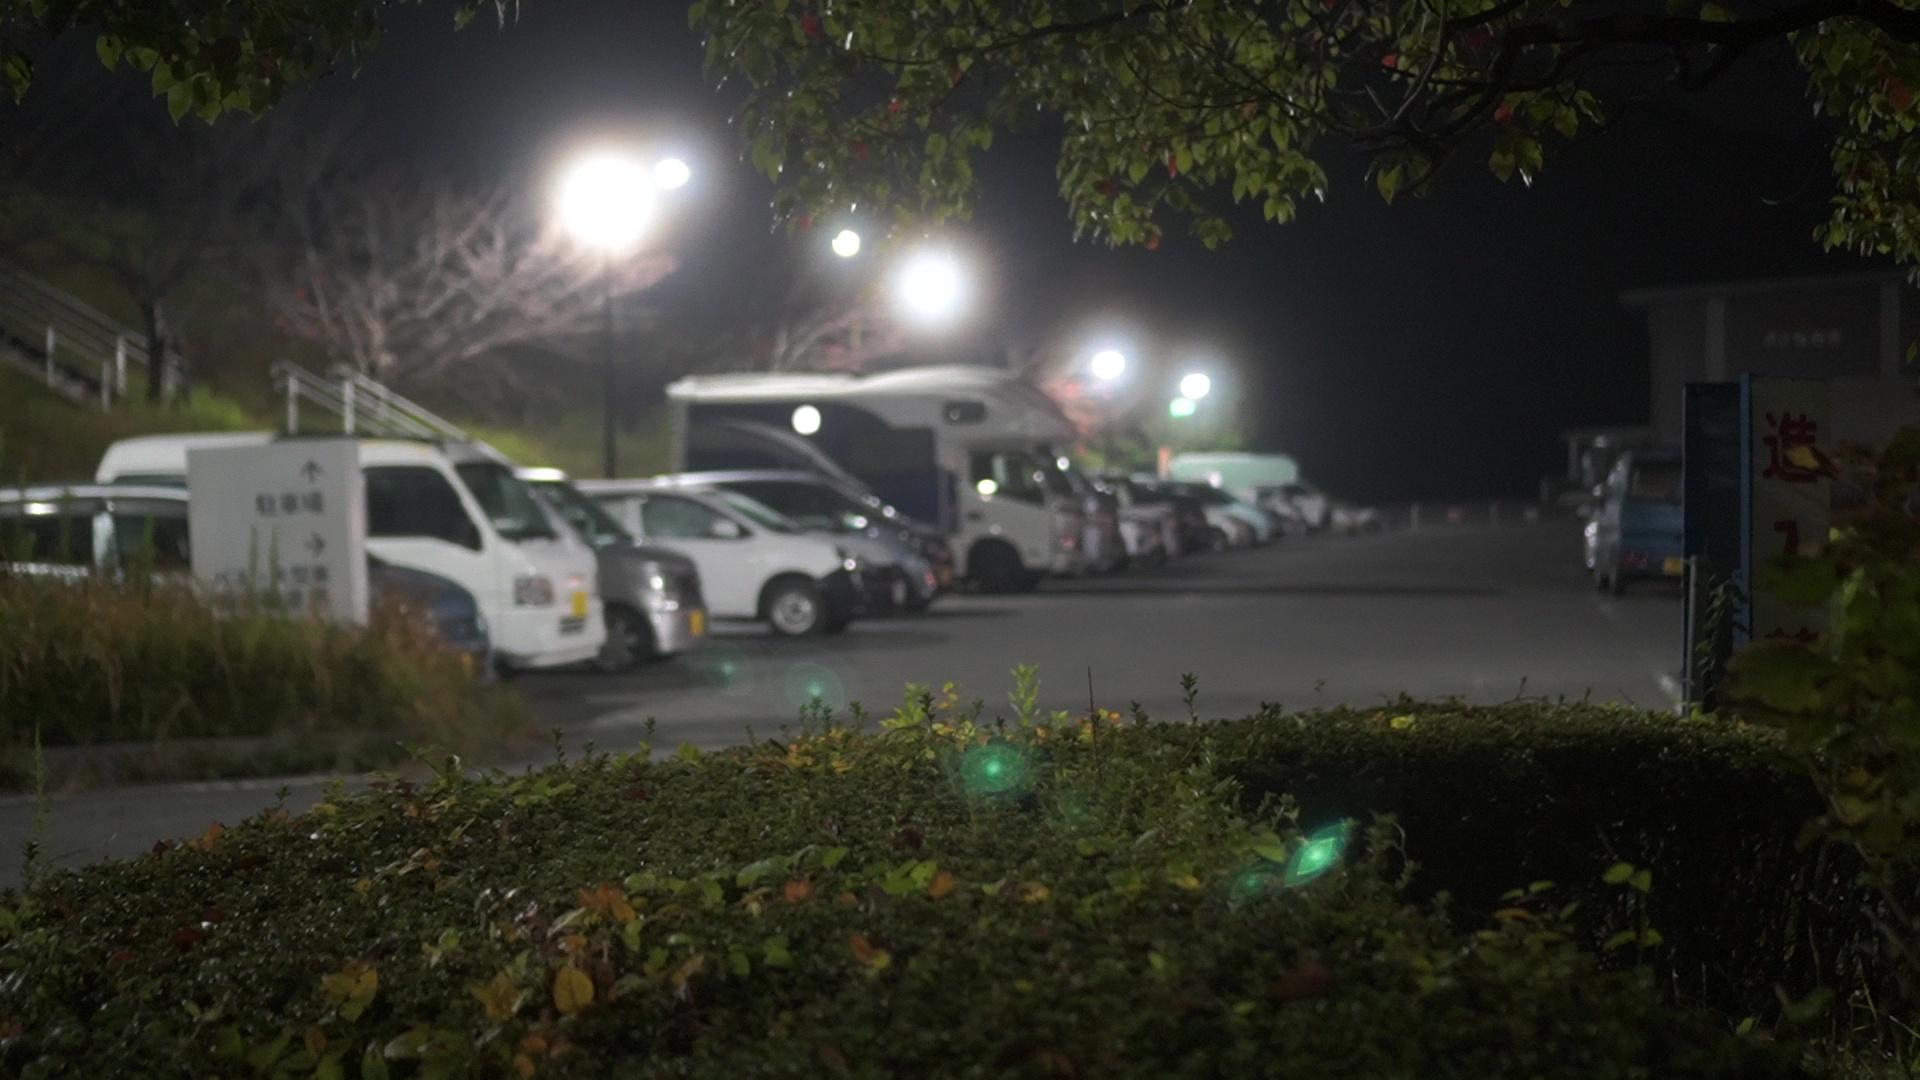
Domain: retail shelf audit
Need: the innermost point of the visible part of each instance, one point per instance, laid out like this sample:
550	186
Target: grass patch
46	439
949	897
573	442
92	662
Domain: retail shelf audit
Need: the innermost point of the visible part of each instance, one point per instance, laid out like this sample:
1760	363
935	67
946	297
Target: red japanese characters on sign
1789	511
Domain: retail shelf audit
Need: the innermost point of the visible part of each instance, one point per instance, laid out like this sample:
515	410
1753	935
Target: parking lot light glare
606	201
930	287
1180	407
1195	385
986	486
1108	364
846	243
671	173
806	420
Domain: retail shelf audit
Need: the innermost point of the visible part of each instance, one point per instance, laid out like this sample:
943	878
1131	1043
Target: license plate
1672	567
579	605
697	622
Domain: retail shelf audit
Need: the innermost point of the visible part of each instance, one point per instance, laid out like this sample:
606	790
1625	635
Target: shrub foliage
1052	897
95	662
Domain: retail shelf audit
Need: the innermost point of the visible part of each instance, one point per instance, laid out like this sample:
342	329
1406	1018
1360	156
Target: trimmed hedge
92	662
942	899
1488	795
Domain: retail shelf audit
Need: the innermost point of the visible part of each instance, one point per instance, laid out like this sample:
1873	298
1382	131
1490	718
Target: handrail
365	406
68	336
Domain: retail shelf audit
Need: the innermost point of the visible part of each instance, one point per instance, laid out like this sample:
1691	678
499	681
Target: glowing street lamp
846	243
607	201
1108	364
930	287
1195	385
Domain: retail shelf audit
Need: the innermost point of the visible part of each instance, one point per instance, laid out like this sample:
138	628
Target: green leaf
109	48
1641	881
687	752
373	1066
1618	873
1621	940
179	100
1388	180
19	73
775	953
831	857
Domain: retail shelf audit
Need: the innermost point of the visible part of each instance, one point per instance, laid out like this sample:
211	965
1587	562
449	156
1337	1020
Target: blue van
1637	531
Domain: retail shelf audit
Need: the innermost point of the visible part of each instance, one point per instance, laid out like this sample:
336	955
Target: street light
846	243
1194	385
607	201
930	287
671	173
1180	407
1108	364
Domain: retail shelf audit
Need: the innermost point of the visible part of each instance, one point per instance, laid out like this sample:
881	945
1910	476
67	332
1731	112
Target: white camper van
973	450
449	509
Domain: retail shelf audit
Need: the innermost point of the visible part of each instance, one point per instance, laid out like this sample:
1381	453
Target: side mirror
726	529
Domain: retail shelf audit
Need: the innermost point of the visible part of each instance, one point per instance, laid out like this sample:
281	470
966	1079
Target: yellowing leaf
315	1041
797	890
572	990
869	955
1034	892
1513	914
523	1066
499	997
943	883
1400	723
208	839
691	966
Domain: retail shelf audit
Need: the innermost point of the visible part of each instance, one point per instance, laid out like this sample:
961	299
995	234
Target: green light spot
1318	855
994	769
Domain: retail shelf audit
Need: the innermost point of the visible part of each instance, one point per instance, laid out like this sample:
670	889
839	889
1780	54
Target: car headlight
532	590
848	561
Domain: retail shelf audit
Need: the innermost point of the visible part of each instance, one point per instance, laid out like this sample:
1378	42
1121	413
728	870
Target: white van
448	509
973	450
754	562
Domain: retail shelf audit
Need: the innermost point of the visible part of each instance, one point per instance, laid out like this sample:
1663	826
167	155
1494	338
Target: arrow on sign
311	470
316	545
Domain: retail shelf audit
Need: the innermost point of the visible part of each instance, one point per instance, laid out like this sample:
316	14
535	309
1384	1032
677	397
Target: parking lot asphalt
1483	613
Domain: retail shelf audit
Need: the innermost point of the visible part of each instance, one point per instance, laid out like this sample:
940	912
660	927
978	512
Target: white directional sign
285	519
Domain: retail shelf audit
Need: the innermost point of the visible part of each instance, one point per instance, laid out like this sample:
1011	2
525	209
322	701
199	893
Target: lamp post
607	202
1107	366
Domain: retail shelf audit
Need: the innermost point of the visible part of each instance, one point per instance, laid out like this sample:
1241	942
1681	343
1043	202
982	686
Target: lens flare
812	685
1318	855
723	666
994	769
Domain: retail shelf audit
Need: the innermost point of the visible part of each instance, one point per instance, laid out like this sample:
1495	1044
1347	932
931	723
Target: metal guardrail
365	406
78	349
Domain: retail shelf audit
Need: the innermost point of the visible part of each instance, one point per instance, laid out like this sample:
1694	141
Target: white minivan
449	509
755	563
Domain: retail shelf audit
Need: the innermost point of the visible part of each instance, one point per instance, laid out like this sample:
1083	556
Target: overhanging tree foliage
1167	109
209	56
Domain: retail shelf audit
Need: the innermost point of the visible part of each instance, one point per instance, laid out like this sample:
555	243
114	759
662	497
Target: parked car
79	530
1103	546
651	594
1353	520
900	576
1298	501
755	563
1183	520
1241	525
449	508
1637	527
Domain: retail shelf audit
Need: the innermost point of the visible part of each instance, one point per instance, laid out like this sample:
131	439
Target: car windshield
507	501
758	512
583	513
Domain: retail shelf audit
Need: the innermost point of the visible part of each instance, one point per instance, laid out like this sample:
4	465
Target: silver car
652	595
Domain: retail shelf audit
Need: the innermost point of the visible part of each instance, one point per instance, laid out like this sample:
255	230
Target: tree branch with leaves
1169	111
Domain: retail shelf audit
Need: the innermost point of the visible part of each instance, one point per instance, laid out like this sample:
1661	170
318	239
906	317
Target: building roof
1641	299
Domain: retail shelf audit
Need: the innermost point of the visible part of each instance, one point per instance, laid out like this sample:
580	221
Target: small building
1855	330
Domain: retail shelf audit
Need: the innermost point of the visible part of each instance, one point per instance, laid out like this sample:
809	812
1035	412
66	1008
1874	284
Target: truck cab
449	509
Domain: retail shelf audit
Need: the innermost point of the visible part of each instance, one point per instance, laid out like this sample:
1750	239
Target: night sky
1430	349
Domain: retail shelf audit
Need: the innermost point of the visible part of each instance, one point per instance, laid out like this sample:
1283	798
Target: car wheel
629	641
1217	540
796	609
996	568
